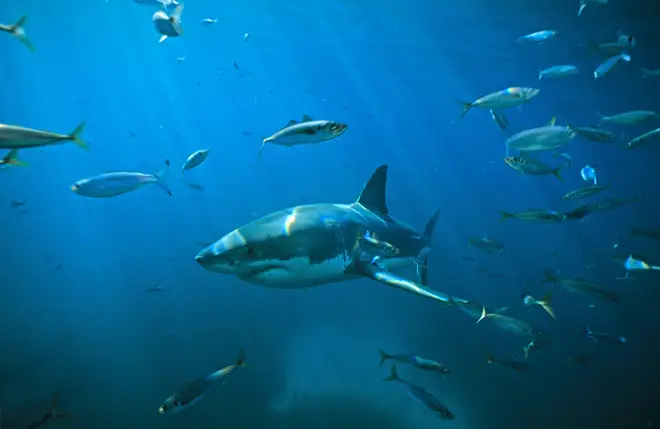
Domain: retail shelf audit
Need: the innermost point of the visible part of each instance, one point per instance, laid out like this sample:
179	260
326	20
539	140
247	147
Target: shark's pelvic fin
381	275
373	195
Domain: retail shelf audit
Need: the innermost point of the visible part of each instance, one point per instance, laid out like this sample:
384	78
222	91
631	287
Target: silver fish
421	396
558	72
168	25
609	64
197	389
113	184
594	134
545	138
632	117
537	37
585	192
194	160
414	360
15	137
504	99
643	140
304	132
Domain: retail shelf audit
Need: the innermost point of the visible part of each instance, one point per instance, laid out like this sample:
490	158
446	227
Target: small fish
14	137
113	184
11	160
585	3
643	140
416	361
17	31
194	160
246	37
504	99
594	134
208	21
533	166
488	245
499	118
599	206
632	264
161	3
304	132
579	286
421	396
609	64
556	72
197	389
52	414
168	25
537	37
155	289
509	362
653	233
540	139
507	323
589	173
194	186
602	336
545	302
535	215
633	117
581	193
650	73
236	65
14	204
535	345
371	245
580	359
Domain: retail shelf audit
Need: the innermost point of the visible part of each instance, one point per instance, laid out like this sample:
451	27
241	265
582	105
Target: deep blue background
393	71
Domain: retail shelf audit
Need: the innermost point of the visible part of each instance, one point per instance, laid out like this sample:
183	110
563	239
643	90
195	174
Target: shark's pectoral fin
423	271
381	275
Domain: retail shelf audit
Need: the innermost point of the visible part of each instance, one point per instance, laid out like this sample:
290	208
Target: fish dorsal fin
291	122
307	118
373	195
552	121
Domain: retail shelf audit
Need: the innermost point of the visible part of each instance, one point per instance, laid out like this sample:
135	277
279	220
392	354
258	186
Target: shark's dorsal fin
373	195
430	225
291	122
307	118
552	122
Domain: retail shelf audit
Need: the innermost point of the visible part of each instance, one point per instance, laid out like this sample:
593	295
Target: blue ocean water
76	314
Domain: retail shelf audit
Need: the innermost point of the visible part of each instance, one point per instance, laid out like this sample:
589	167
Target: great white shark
316	244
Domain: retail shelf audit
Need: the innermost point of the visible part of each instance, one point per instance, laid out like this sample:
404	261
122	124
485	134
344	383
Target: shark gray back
317	244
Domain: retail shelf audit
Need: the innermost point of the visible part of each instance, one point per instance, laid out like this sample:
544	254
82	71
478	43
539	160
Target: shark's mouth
257	271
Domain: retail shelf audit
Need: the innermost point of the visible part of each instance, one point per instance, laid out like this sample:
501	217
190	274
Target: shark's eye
250	250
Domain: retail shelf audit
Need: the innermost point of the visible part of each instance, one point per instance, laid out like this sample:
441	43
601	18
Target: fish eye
250	250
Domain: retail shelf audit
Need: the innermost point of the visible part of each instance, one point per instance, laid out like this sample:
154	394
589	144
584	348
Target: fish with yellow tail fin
11	160
53	414
508	362
420	395
197	389
17	30
15	137
530	301
414	360
508	323
504	99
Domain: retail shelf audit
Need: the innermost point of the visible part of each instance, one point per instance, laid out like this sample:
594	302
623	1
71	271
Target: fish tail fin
383	356
175	19
18	31
12	159
546	303
484	314
634	232
393	375
581	9
75	136
466	107
161	178
625	57
557	173
55	412
506	215
645	73
263	145
240	362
